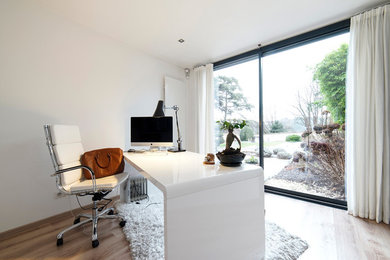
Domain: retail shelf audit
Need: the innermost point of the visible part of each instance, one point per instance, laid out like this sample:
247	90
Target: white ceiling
212	29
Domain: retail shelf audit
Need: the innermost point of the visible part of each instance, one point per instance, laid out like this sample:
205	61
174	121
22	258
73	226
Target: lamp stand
160	113
179	140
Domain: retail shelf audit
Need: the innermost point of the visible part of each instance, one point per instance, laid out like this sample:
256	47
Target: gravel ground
293	176
305	181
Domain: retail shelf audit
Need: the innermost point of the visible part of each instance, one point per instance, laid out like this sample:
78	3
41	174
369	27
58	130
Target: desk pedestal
210	211
225	222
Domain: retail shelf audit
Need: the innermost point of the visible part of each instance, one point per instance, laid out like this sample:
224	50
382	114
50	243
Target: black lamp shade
159	112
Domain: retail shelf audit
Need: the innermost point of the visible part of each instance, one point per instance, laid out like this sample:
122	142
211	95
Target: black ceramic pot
234	159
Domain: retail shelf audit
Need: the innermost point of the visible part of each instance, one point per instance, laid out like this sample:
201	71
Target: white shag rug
145	232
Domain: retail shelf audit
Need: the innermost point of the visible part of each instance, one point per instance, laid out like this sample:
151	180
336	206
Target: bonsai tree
230	126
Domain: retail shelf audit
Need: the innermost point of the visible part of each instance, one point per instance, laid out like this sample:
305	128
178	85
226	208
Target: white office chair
65	148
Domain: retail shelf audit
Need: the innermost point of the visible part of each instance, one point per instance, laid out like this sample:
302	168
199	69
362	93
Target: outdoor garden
305	153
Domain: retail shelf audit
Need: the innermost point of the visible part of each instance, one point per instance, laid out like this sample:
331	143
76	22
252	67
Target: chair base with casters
64	143
94	218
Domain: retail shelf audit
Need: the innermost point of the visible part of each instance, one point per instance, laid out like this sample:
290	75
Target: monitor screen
151	131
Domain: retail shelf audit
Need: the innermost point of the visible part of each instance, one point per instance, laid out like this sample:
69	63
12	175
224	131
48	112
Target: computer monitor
151	131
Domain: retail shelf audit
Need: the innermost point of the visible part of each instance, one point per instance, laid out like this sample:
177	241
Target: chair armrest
74	168
79	167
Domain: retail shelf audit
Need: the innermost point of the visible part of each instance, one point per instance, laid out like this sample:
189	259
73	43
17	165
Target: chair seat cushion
106	183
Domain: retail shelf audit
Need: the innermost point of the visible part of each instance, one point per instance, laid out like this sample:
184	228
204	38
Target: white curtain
201	114
368	116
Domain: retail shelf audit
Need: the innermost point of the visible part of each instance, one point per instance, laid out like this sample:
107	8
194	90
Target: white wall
174	91
55	71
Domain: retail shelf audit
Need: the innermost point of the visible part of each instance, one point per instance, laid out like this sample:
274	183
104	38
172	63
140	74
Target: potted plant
230	156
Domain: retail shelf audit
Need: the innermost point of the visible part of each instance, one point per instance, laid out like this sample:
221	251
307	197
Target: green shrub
276	127
252	160
246	134
293	138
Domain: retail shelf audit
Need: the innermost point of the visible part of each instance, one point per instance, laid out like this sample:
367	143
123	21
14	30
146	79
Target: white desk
210	211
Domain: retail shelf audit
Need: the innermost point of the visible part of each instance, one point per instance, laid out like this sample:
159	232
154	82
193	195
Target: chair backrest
64	142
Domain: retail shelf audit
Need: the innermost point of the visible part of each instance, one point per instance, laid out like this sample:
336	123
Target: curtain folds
368	116
202	110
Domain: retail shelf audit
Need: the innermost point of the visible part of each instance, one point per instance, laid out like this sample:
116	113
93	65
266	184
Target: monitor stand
157	149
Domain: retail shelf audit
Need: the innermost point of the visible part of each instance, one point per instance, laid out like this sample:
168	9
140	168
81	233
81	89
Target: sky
284	75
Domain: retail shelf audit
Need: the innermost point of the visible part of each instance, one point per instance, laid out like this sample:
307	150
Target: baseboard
32	226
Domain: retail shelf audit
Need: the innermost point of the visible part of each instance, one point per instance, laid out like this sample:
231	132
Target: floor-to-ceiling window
237	99
292	96
304	117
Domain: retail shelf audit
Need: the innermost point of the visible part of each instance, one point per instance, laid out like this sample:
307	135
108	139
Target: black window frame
263	51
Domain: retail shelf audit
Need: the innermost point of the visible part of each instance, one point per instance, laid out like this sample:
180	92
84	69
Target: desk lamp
159	112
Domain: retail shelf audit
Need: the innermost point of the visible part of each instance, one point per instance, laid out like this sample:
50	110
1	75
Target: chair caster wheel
111	212
77	220
60	241
122	223
95	243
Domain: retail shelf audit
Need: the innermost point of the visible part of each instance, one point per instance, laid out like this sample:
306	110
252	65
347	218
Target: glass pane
237	99
304	116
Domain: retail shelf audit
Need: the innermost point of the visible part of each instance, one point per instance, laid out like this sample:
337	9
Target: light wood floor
330	233
40	242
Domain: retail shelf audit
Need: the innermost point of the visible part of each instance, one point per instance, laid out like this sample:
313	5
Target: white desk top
176	174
